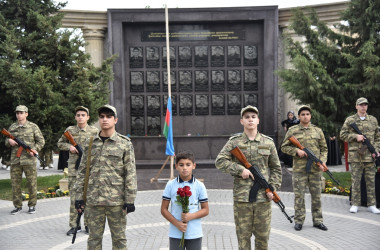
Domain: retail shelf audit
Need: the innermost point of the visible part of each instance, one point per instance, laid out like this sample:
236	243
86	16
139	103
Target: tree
335	66
45	68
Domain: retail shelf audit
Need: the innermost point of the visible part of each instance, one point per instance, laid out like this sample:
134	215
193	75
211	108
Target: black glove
79	204
129	207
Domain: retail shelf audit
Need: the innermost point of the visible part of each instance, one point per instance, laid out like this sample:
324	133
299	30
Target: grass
343	177
43	183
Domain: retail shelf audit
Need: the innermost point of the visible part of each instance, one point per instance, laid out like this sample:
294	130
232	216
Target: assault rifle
22	146
259	181
69	137
367	143
77	225
312	158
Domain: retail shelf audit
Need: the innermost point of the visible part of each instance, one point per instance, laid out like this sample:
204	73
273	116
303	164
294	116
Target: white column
94	38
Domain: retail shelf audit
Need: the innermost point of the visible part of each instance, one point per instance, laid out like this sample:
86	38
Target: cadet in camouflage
112	184
251	217
311	137
359	157
27	163
80	133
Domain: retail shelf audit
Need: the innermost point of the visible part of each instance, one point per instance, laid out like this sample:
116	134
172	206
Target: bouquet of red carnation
183	200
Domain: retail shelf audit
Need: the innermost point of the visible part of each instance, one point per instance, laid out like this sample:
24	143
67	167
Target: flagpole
169	77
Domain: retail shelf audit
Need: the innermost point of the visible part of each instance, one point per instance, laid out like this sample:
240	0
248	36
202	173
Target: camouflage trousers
357	169
46	155
252	218
117	222
31	180
313	182
73	211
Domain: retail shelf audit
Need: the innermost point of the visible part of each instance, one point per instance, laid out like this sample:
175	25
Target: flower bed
51	192
331	189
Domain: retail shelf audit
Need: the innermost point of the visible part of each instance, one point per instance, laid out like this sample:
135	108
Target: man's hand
73	150
246	174
33	152
186	217
79	205
269	196
182	226
360	138
12	142
128	208
301	153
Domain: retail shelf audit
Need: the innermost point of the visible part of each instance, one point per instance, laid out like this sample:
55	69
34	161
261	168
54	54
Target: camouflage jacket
370	128
112	179
260	152
310	137
80	136
29	133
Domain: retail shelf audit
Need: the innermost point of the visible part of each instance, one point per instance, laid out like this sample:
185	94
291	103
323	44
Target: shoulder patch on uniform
123	136
267	137
236	136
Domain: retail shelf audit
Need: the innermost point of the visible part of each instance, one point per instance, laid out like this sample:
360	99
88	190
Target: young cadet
251	217
31	135
112	181
311	137
188	223
361	160
80	133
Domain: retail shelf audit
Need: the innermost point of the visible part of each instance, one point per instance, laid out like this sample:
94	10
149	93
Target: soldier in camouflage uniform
112	184
311	137
80	133
27	163
359	157
251	217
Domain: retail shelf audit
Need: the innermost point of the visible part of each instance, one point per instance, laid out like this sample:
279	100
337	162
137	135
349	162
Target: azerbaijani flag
168	129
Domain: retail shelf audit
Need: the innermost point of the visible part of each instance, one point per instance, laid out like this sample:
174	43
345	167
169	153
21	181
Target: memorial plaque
153	81
136	59
173	85
185	105
174	104
217	105
217	56
233	56
185	57
201	80
154	125
217	80
201	105
153	104
137	125
152	57
185	81
234	80
250	99
250	55
234	104
172	55
250	80
137	81
201	56
137	105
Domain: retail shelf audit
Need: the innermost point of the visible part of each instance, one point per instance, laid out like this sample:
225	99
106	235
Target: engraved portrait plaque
201	80
217	105
234	80
185	105
154	125
250	55
185	57
201	56
234	104
137	105
233	56
152	57
137	81
173	85
250	80
172	55
185	81
153	81
153	104
136	59
174	105
250	99
217	80
201	105
217	56
137	125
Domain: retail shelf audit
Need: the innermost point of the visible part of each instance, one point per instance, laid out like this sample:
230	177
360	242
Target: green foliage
45	68
332	69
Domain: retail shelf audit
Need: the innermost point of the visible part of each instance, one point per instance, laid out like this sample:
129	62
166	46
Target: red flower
183	200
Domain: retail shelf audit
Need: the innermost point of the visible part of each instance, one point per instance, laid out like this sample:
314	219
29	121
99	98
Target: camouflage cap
82	108
21	108
109	107
361	100
304	107
249	108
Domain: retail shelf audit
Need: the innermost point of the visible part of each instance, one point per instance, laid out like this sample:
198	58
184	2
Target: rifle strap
87	169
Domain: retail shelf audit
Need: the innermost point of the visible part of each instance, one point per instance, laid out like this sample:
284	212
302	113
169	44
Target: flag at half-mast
168	128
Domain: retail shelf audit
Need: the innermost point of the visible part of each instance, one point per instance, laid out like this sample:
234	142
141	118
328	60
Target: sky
102	5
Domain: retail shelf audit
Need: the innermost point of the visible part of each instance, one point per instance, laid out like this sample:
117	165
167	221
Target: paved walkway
147	229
